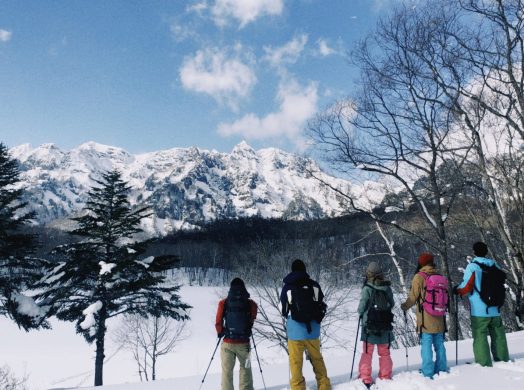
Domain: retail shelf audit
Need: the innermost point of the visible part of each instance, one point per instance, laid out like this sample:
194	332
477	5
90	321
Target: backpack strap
223	320
425	276
481	266
475	284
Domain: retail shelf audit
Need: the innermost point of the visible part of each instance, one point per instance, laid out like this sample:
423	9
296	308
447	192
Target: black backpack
237	317
305	306
492	289
380	317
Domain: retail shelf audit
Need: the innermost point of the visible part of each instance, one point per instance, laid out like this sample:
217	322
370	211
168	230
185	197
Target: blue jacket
471	285
298	330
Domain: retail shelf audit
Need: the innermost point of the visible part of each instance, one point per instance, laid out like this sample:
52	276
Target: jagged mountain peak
184	186
243	147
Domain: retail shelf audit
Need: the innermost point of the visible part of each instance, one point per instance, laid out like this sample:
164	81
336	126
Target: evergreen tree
105	274
18	270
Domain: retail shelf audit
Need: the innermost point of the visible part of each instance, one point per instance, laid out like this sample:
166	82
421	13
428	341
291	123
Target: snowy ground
59	358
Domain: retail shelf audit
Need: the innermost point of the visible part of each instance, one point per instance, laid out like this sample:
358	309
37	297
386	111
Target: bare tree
399	128
149	338
477	59
8	381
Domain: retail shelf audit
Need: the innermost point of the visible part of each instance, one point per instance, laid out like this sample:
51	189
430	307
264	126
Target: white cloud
297	103
212	72
287	54
182	32
245	11
197	7
5	35
324	49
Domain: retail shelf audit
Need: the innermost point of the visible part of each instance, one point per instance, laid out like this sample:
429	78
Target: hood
295	277
238	291
379	284
484	260
429	269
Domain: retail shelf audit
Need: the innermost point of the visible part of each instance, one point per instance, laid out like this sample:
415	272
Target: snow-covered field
60	359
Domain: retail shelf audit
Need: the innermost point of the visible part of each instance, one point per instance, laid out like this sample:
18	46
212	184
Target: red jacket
219	322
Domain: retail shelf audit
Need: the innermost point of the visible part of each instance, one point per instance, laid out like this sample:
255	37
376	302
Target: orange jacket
219	321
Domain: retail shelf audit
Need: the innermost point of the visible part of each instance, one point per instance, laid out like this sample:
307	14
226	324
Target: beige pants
229	353
296	357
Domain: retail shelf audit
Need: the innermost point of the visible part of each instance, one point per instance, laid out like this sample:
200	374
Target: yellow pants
296	350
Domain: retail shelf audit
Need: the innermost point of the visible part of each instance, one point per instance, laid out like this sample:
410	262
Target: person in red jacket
235	317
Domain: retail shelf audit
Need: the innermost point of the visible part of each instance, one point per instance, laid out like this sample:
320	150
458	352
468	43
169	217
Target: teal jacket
365	297
471	284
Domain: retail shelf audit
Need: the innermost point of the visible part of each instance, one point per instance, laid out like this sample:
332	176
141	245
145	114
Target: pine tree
18	270
105	274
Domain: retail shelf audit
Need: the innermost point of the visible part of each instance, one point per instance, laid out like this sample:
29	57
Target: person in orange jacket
235	317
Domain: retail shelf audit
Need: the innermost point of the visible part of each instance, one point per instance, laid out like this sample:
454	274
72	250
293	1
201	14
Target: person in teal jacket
382	340
484	320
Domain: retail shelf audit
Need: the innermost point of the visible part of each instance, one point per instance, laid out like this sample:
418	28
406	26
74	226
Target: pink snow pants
384	362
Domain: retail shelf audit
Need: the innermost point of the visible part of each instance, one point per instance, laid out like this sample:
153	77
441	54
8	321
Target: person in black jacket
303	336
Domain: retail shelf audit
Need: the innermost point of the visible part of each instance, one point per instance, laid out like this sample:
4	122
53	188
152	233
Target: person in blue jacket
303	337
484	320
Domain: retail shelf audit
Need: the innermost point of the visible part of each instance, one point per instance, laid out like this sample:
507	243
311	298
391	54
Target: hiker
429	291
303	307
376	302
234	321
484	277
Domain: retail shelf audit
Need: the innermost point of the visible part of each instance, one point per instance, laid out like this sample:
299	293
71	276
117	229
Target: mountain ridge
184	186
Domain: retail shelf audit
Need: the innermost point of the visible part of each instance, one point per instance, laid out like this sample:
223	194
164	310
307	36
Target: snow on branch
89	314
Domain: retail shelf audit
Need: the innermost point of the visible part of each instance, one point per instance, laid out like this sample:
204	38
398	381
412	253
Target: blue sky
150	75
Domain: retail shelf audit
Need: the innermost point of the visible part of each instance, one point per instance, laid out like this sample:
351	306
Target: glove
220	335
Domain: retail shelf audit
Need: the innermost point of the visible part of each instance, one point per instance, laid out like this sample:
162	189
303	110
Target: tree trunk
100	339
155	345
454	326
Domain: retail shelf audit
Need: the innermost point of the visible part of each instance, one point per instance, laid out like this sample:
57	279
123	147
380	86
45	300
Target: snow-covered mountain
182	185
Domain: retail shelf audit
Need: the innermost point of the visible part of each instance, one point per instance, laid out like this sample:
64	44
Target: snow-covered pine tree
18	269
105	274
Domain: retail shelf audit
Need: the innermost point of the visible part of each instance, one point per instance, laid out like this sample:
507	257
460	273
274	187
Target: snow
89	314
261	182
105	268
427	214
27	306
59	358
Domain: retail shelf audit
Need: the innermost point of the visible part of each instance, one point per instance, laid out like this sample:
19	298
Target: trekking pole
406	341
355	349
456	330
212	356
259	366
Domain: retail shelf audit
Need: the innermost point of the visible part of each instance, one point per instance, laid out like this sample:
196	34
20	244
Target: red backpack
435	296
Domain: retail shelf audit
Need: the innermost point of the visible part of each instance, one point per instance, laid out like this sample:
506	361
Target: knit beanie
480	249
237	282
425	258
374	269
298	265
